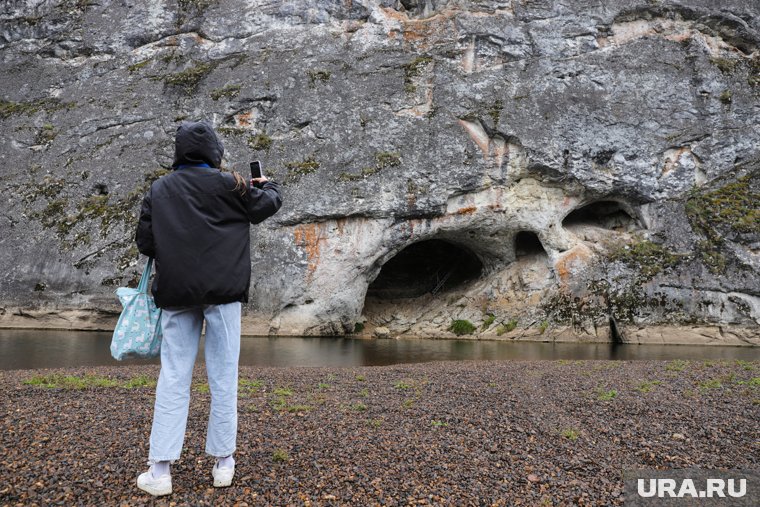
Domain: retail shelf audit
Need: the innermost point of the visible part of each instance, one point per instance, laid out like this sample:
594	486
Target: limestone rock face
544	170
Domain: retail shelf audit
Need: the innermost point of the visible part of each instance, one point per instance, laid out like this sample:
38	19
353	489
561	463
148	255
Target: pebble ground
534	433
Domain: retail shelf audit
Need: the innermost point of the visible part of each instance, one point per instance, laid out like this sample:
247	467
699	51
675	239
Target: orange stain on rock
466	211
423	33
308	237
394	14
570	262
244	119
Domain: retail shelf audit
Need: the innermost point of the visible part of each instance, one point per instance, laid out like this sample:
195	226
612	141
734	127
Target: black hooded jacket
196	225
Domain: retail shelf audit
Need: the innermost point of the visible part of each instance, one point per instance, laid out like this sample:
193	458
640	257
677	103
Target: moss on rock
188	79
733	209
736	206
412	70
648	257
260	142
137	66
296	170
387	159
318	76
228	91
9	108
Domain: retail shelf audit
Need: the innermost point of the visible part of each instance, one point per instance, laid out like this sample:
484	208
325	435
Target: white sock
159	468
226	462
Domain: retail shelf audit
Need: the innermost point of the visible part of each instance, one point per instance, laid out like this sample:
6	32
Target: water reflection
27	349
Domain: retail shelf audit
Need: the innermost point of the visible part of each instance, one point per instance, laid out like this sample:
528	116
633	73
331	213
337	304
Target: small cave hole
527	244
430	266
604	214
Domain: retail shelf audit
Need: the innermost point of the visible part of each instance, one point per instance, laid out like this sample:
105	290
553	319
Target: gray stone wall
392	123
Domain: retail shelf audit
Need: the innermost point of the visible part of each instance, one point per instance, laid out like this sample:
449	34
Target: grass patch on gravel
280	401
140	381
746	365
606	395
710	384
753	382
647	385
297	408
283	391
280	456
246	386
676	365
409	383
570	434
58	381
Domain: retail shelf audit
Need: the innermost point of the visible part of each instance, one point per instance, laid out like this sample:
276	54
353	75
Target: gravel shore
457	433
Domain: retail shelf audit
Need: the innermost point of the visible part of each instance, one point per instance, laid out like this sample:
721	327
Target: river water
30	349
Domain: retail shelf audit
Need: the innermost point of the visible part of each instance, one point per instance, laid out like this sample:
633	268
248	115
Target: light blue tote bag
138	331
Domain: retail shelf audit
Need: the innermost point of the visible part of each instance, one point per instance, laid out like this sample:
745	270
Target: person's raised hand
257	182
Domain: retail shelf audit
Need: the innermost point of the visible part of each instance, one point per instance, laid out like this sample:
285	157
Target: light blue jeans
182	332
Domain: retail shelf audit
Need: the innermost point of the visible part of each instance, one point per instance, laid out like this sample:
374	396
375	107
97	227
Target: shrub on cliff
460	327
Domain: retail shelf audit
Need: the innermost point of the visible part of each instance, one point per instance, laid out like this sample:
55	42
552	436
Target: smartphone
256	169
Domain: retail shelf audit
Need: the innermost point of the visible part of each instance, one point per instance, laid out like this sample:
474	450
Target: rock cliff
540	170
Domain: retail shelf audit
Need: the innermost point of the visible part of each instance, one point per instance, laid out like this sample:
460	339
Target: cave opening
605	214
527	244
429	266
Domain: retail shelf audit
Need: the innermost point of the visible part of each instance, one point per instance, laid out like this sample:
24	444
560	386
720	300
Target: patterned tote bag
138	331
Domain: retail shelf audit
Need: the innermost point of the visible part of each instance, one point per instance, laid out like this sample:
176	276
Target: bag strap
143	285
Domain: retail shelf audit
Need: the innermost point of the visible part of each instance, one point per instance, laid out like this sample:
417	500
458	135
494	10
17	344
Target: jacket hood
197	143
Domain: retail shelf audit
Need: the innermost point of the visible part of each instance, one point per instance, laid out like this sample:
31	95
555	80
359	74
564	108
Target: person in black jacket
195	223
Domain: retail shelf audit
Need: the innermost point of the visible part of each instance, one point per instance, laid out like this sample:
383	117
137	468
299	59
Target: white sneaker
156	486
222	476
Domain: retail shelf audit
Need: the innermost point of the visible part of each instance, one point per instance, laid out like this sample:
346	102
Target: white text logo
714	488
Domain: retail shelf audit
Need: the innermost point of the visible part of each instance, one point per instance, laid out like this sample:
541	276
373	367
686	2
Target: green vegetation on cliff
188	79
228	91
412	70
736	206
733	209
460	327
298	169
648	257
9	108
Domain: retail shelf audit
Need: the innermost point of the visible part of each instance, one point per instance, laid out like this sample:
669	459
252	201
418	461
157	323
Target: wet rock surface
470	433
